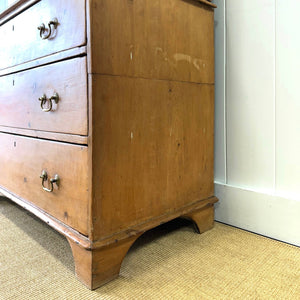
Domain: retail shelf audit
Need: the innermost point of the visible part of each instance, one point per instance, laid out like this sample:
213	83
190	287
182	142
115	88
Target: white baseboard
270	215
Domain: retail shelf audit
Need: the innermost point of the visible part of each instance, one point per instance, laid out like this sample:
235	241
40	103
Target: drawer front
20	106
22	162
22	33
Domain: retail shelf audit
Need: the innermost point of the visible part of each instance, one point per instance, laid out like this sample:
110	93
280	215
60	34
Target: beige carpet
171	262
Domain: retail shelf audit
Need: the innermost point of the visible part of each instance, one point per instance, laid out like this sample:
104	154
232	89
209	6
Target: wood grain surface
15	8
22	38
158	149
22	162
21	107
46	60
54	136
170	39
97	267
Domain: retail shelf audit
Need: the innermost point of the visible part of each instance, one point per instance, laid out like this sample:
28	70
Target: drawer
22	31
22	162
20	106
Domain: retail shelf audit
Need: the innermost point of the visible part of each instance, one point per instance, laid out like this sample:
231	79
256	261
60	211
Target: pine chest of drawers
107	120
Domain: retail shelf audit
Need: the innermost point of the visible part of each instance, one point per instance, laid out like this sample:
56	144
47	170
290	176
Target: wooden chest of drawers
107	120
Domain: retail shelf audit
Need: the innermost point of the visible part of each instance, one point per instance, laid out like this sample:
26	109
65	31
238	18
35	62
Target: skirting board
269	215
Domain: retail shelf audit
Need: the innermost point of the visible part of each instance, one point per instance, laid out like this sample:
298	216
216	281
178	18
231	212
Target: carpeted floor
170	262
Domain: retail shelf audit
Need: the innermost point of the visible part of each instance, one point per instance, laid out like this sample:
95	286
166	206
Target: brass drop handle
44	177
42	29
44	100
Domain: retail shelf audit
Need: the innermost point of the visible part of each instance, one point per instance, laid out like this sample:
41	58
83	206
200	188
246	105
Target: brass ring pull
44	177
42	29
44	100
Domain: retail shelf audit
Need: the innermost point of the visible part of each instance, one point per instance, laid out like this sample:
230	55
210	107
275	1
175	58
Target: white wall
257	142
220	130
